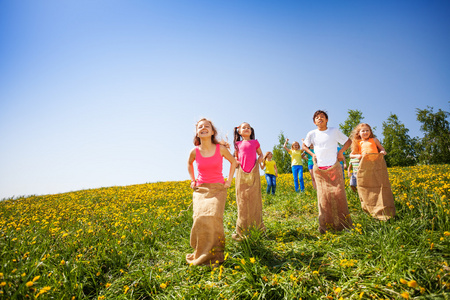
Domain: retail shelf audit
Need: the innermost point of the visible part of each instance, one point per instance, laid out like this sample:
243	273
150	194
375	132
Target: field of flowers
130	243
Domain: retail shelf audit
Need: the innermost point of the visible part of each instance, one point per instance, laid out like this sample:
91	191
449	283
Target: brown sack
332	201
249	201
374	188
207	233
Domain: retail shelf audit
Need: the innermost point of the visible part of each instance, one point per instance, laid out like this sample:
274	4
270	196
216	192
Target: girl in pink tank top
209	197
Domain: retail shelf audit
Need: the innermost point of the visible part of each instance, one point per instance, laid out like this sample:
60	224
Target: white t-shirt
325	144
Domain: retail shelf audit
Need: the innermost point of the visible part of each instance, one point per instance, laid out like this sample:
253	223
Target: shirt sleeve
257	145
308	139
341	138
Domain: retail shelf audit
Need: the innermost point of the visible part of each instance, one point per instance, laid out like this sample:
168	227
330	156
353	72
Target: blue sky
103	93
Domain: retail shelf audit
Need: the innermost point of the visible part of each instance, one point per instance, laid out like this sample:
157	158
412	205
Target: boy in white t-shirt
325	140
331	197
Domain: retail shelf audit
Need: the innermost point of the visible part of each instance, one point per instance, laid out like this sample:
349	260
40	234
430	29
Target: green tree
399	146
281	157
435	145
354	118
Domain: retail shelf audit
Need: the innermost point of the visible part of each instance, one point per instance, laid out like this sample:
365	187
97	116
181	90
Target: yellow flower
3	283
163	285
36	278
45	289
108	285
447	233
405	295
413	284
315	272
243	261
338	290
403	281
29	283
252	260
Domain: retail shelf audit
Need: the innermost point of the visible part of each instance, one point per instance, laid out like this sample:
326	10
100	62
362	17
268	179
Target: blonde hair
265	155
356	137
295	142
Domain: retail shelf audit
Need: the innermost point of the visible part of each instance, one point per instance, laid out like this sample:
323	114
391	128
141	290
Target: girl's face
269	156
245	130
295	146
204	129
321	121
364	132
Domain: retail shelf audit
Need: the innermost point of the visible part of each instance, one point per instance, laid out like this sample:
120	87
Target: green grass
131	242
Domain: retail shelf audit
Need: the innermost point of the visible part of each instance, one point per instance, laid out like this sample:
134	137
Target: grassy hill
130	243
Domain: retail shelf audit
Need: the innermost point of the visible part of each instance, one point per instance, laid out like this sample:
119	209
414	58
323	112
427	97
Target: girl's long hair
265	156
238	137
356	137
214	140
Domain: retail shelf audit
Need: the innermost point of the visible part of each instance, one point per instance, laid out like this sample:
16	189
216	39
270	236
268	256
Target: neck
246	138
205	143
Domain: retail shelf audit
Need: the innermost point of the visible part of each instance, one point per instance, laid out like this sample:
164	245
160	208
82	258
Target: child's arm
260	154
262	164
379	146
306	149
284	146
350	166
340	155
227	155
191	168
276	170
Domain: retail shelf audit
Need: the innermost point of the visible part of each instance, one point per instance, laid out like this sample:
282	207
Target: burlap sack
207	233
249	202
374	188
332	201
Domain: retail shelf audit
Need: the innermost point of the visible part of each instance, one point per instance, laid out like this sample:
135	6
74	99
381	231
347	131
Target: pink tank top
209	168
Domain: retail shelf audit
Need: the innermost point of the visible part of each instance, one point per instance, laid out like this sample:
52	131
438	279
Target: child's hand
383	152
193	183
227	184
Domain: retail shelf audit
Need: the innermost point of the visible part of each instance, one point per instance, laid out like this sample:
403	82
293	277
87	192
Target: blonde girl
210	194
248	183
296	165
271	172
363	142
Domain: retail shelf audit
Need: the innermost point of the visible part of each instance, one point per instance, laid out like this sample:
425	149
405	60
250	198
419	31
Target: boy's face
321	121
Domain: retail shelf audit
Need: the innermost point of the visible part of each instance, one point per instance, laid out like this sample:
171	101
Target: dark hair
318	113
238	137
213	137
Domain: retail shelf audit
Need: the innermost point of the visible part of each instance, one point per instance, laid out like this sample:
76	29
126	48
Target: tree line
402	150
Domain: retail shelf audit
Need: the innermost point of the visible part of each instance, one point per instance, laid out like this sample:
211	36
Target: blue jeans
271	183
297	171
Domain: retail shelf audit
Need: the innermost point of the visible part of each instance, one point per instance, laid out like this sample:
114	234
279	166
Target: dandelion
405	295
403	281
125	289
243	261
2	283
447	233
29	284
163	285
413	284
108	285
252	260
45	289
